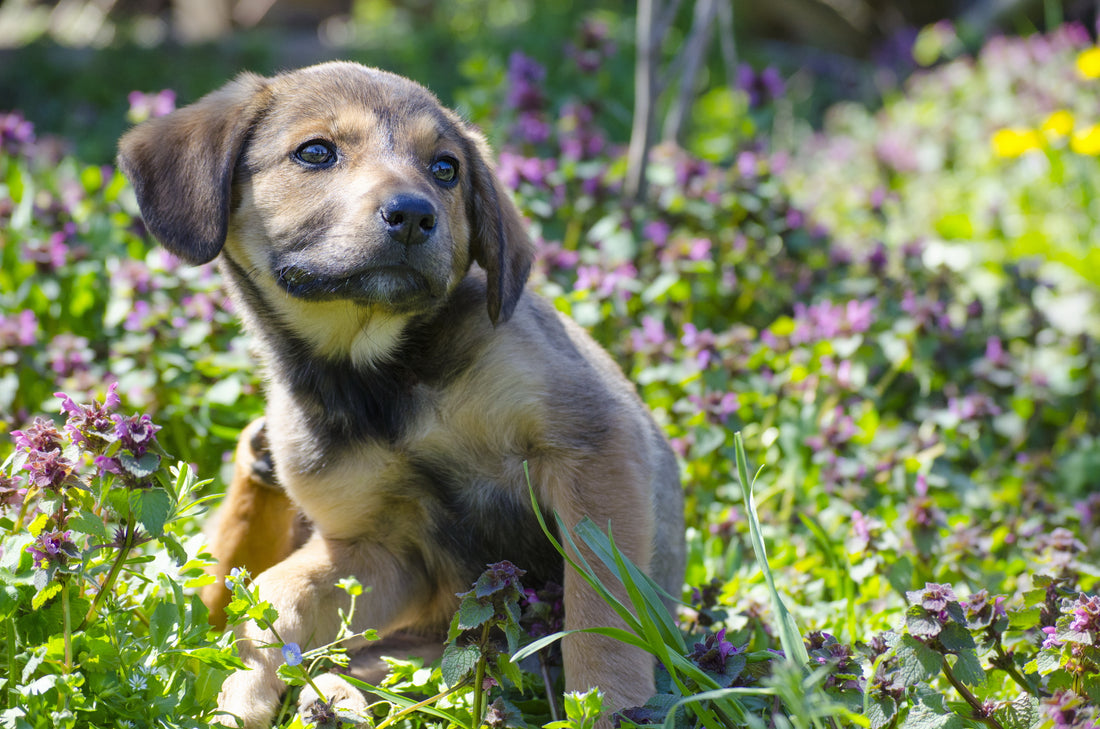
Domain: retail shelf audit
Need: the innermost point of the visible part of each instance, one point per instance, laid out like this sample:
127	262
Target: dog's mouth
396	286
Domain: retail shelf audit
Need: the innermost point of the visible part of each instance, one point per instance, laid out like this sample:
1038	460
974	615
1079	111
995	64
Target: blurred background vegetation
69	64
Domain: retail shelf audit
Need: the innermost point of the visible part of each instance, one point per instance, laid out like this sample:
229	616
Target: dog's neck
353	370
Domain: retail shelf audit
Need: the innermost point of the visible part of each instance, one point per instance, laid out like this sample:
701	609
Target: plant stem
419	705
67	623
979	710
549	686
479	679
9	635
108	583
28	498
1004	662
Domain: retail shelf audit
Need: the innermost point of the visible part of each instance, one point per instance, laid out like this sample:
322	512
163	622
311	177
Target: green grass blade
789	636
644	593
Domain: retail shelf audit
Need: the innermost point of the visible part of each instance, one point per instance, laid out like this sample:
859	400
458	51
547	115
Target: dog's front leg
302	588
624	673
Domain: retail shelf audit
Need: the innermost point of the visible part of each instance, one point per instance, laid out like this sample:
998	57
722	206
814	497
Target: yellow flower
1086	141
1015	142
1088	63
1058	125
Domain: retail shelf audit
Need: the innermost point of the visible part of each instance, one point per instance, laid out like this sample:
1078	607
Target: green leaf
922	716
142	467
968	668
152	509
507	670
472	613
917	663
458	662
1023	713
922	623
1024	619
789	636
88	523
956	638
174	548
881	711
44	593
10	599
161	623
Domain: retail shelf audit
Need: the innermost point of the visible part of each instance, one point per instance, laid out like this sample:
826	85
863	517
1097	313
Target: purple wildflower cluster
762	87
845	671
150	105
592	48
719	658
16	134
527	99
543	609
17	330
826	320
50	460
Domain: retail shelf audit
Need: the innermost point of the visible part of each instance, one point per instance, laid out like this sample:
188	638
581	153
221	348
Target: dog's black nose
409	219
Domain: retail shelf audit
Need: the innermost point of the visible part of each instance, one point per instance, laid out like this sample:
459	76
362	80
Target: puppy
379	267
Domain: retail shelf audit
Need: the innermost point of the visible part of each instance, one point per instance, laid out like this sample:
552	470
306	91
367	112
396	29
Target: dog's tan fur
406	386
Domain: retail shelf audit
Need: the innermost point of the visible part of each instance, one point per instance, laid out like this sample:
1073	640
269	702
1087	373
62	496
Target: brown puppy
406	387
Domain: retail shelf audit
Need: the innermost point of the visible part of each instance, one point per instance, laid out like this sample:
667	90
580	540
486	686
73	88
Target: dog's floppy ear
498	240
181	166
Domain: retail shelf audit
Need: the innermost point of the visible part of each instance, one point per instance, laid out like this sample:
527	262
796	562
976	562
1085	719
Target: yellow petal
1086	141
1059	124
1088	63
1015	142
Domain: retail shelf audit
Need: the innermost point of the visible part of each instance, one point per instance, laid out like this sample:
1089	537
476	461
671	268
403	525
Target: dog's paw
345	703
251	698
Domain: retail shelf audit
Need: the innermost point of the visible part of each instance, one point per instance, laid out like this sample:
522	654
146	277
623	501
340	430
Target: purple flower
1086	615
935	597
10	493
69	354
19	330
826	320
1050	641
651	336
719	658
846	673
592	48
543	609
524	76
702	344
90	425
1067	710
531	128
148	106
16	134
52	548
700	249
48	469
718	406
137	432
762	87
861	527
657	231
40	436
606	283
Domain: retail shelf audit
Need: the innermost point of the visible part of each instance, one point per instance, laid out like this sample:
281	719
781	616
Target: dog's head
334	182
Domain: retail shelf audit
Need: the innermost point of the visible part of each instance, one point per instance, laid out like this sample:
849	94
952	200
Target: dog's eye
445	170
316	154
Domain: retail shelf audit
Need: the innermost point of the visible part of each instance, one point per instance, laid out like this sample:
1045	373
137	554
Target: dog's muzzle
409	219
394	285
